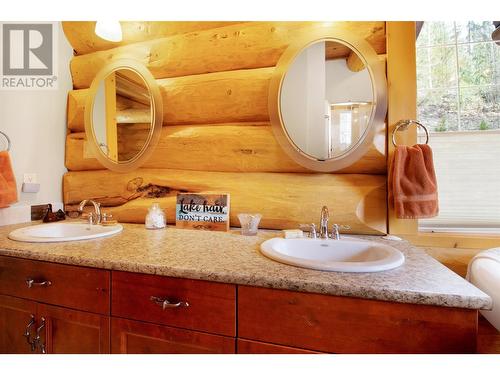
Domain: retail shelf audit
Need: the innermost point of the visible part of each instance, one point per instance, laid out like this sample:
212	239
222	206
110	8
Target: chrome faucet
310	229
97	211
323	223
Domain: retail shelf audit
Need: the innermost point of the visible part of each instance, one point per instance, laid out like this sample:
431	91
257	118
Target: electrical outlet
30	178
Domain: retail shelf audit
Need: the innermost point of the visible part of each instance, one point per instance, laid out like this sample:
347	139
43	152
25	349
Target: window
345	129
458	87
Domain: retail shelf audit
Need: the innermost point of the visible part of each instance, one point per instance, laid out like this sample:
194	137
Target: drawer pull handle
27	333
166	304
38	339
31	283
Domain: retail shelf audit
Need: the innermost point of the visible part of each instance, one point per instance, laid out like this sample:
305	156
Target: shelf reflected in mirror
123	115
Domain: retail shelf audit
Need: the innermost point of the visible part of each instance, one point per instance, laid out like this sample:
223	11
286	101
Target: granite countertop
232	258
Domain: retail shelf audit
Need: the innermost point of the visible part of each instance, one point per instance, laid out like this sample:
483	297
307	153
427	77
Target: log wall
214	79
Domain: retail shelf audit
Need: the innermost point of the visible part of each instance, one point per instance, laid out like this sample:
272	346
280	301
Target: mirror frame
156	116
376	69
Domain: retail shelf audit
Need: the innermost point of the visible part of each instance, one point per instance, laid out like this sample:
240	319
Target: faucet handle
90	218
336	228
309	228
107	217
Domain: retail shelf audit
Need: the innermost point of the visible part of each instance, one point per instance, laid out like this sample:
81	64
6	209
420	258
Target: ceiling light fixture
109	30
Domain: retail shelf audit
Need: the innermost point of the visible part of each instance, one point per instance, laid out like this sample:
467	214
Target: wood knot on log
154	191
134	184
220	36
247	151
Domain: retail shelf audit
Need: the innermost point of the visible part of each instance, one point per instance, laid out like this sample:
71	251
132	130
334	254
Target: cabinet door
68	331
133	337
15	317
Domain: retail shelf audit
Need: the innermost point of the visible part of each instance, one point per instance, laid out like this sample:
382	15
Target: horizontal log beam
285	200
78	154
83	39
233	96
75	110
133	116
240	46
223	148
354	63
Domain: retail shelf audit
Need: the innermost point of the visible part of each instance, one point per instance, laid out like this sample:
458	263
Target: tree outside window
458	76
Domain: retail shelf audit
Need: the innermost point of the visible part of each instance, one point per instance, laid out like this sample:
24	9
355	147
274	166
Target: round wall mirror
123	115
326	99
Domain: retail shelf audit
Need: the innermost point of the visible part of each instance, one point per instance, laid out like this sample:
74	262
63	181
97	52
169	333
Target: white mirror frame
156	116
376	69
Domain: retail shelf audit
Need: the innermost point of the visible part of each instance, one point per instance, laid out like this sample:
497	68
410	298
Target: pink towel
414	186
8	190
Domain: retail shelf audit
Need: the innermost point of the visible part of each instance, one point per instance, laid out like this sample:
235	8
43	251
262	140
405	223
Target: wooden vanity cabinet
85	310
69	306
61	330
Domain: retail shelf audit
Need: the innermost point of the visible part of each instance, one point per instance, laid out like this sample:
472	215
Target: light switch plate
31	187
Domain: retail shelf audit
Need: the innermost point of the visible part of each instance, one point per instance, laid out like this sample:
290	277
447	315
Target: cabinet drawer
131	337
69	286
211	306
352	325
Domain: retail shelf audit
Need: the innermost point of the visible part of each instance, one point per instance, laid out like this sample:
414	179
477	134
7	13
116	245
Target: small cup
155	219
249	223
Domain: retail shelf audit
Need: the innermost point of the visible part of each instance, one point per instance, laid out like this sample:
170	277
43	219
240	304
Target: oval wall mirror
326	99
123	115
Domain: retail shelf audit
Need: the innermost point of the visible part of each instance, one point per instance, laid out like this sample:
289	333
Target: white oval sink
61	232
344	255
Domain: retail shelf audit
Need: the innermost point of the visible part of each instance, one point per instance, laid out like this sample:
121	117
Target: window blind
468	174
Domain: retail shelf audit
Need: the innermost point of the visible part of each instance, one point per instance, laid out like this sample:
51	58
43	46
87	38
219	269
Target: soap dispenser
155	219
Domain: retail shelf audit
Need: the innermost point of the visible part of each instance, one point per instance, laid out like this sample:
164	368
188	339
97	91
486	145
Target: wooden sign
202	211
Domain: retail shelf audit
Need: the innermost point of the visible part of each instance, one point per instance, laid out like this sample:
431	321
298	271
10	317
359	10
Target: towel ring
7	138
403	125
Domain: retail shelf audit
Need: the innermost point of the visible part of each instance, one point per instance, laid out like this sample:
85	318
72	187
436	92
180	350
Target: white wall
317	141
303	101
345	85
294	101
36	124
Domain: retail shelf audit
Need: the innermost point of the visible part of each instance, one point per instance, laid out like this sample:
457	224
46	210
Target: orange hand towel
8	190
414	186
